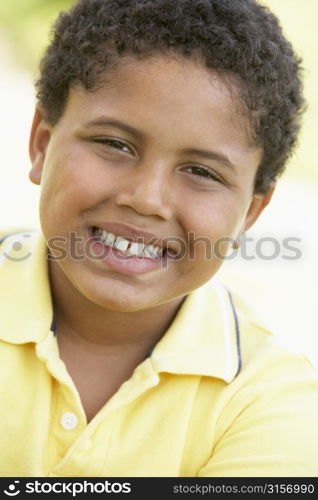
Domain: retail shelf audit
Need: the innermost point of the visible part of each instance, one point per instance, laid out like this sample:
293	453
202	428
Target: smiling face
159	149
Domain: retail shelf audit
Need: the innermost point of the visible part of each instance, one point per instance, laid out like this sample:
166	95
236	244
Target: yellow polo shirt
217	397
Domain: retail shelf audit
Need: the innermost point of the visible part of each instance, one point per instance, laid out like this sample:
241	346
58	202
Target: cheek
212	215
211	225
75	182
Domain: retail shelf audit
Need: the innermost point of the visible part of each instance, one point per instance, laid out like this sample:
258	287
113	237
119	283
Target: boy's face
160	148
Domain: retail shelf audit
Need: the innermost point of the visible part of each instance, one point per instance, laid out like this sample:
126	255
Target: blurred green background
284	293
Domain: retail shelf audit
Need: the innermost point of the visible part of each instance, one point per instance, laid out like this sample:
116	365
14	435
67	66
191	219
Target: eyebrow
107	122
209	155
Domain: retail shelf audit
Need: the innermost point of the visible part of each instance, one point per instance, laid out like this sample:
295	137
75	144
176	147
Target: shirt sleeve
275	432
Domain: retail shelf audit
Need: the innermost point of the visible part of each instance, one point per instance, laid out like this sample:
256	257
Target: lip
135	234
120	262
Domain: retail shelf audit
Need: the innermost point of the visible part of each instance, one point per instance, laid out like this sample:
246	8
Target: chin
124	303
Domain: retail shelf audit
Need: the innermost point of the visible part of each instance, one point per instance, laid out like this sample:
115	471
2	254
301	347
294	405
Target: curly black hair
239	38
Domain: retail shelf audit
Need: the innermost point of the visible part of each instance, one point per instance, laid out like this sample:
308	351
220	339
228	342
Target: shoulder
268	422
276	380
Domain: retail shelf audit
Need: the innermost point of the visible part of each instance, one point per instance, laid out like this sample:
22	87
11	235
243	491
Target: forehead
171	91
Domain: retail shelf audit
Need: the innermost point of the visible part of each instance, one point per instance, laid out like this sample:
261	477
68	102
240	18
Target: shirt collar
204	337
202	340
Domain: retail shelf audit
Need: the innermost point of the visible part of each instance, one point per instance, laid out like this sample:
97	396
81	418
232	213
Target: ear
257	205
39	140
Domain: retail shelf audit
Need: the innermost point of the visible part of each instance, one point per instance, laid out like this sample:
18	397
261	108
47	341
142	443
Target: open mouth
131	247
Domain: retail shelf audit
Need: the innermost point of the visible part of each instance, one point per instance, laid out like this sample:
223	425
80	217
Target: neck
103	329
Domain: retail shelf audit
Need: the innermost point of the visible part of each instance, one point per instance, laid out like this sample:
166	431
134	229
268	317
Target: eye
203	173
115	144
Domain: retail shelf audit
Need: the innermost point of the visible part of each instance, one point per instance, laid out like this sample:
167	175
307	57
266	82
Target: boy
160	130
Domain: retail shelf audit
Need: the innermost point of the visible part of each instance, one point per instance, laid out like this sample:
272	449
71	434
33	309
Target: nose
146	191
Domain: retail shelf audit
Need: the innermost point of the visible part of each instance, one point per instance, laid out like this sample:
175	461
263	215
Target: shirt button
69	421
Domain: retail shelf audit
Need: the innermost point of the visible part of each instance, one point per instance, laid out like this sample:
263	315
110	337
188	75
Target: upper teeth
126	246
